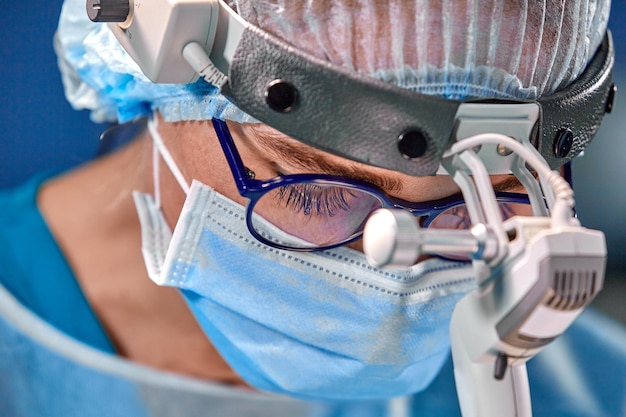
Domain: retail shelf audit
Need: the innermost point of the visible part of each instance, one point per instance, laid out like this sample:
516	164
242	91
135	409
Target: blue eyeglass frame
254	189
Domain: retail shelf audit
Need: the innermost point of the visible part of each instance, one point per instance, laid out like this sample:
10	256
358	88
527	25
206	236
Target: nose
356	245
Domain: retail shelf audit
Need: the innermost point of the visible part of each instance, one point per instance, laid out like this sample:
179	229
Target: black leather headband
361	118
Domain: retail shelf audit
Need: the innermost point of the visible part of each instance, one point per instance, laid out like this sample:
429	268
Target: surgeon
212	265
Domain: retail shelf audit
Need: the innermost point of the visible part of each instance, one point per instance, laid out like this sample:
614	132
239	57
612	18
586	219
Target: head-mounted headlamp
342	112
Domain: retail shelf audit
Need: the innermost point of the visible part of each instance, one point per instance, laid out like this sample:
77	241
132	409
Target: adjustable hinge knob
108	10
391	238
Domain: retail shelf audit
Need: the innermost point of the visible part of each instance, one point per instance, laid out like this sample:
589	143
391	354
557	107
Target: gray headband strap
360	118
579	108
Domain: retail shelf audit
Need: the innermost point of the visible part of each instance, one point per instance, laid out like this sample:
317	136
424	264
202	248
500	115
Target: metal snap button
412	144
281	96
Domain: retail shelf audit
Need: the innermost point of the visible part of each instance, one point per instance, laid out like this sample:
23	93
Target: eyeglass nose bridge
426	212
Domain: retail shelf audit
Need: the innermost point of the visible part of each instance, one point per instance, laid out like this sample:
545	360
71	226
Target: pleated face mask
313	325
322	325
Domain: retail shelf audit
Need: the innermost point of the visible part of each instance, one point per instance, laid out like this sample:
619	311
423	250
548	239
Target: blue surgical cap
455	49
100	76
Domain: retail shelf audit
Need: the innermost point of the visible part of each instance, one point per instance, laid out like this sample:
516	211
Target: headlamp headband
364	119
325	106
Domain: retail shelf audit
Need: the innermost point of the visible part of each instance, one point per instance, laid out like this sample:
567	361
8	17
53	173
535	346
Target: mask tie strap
159	146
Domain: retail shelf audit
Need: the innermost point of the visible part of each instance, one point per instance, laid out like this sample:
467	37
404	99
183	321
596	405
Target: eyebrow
300	155
507	184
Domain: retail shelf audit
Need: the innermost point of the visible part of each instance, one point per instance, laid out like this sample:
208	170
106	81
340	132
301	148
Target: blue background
39	130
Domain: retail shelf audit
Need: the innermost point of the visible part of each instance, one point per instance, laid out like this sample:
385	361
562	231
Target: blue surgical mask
315	325
311	325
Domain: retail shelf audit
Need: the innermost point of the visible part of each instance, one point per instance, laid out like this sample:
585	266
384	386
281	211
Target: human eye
314	199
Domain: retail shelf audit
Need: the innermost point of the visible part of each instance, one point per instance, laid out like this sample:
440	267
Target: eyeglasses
310	212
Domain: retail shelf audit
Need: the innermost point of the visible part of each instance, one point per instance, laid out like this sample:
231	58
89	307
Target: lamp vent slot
572	289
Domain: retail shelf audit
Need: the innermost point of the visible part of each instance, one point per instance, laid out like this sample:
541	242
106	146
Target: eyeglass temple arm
230	152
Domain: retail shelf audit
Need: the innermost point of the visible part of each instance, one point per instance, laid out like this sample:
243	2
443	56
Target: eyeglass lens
457	217
313	215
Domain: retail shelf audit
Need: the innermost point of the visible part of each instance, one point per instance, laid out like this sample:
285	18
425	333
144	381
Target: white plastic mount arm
173	41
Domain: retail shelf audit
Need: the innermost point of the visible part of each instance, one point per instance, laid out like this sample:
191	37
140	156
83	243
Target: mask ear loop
160	148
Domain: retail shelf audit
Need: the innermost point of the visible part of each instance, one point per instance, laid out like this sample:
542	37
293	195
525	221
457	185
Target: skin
101	236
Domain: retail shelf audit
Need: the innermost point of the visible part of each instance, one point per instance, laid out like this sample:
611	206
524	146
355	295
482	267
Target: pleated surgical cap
456	49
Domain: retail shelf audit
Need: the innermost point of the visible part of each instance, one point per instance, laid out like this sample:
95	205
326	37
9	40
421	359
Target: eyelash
314	199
